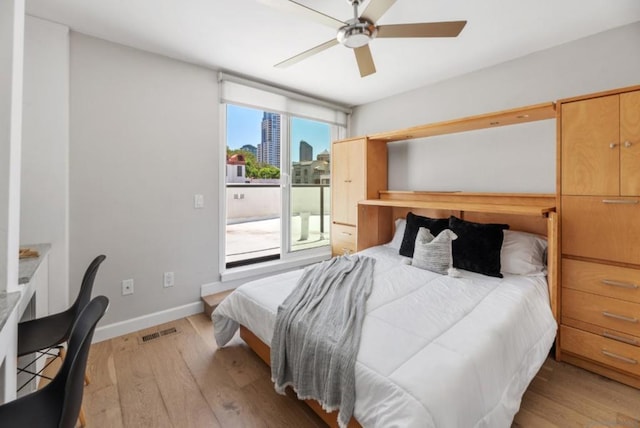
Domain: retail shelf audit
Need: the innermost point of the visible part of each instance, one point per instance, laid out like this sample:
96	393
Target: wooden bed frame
534	213
527	212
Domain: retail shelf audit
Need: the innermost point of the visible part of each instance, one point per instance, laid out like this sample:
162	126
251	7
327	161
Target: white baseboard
134	324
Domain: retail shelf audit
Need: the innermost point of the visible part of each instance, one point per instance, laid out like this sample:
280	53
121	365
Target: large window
277	174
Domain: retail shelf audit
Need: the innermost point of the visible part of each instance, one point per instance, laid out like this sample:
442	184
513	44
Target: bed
435	351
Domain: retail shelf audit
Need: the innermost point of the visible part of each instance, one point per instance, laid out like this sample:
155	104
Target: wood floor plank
614	395
553	412
568	395
102	407
526	419
180	392
140	398
231	407
101	398
242	366
154	384
280	410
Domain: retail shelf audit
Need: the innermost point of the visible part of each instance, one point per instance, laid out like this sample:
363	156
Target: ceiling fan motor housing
357	33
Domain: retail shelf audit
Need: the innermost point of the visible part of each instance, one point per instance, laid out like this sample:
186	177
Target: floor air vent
149	337
168	331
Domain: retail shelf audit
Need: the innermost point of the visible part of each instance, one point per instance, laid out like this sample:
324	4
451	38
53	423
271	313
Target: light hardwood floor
183	380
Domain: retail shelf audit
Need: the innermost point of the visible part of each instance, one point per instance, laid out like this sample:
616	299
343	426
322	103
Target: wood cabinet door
630	144
590	150
357	185
601	228
340	183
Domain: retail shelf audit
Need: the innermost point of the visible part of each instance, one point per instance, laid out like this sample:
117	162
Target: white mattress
435	351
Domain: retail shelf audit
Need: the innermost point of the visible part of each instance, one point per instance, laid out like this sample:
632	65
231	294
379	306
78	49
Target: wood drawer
601	227
602	311
605	351
343	239
605	280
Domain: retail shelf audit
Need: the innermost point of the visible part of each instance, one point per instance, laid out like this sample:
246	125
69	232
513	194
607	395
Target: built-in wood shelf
500	203
515	116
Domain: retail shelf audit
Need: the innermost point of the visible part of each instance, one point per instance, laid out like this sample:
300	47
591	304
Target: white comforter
436	351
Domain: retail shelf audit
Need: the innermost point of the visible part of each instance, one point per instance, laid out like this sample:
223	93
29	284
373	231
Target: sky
244	127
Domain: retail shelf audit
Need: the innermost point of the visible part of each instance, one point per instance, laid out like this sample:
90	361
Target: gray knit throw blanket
317	333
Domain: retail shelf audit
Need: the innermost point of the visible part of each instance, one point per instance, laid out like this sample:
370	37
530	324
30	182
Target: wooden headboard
527	212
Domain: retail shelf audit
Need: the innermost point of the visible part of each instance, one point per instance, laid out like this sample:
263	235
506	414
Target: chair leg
81	417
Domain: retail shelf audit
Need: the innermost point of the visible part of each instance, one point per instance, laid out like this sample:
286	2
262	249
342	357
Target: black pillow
414	223
478	246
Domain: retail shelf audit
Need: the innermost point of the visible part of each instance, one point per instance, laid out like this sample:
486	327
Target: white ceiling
247	38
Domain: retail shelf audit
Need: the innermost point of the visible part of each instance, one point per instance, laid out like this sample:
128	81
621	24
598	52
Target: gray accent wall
511	159
143	140
44	190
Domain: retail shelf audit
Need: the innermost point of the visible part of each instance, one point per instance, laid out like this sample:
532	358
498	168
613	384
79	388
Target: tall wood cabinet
358	172
599	176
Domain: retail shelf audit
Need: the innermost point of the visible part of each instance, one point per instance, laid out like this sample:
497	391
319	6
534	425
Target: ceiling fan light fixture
357	34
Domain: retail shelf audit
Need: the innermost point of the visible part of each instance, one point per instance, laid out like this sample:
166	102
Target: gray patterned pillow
431	253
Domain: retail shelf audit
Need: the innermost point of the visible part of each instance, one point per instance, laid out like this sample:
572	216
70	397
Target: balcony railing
253	220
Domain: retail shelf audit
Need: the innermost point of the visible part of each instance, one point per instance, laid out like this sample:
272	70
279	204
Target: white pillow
433	253
398	234
523	253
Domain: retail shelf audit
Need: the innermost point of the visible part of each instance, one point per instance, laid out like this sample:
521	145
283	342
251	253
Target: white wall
11	63
510	159
143	141
45	150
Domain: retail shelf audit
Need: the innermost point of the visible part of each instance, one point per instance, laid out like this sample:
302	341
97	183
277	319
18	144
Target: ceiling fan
358	32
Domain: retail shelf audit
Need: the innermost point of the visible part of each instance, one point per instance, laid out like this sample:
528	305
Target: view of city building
306	151
308	171
269	147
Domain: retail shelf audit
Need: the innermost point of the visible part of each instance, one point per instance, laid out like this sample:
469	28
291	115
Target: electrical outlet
169	279
127	287
198	201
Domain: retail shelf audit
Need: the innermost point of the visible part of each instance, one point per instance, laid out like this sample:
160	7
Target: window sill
276	266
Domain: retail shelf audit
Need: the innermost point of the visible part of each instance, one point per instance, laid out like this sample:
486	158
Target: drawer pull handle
346	233
628	144
619	283
619	357
619	317
620	201
619	338
612	145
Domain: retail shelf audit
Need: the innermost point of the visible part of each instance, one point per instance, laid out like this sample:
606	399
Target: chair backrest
69	382
87	286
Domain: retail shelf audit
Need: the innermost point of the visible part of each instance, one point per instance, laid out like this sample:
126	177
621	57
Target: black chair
50	331
47	334
58	403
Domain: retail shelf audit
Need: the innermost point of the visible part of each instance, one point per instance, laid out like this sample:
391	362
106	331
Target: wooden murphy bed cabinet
358	172
359	169
599	186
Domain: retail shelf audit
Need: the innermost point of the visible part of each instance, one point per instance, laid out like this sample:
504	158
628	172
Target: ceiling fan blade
376	9
306	54
425	29
303	12
365	60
